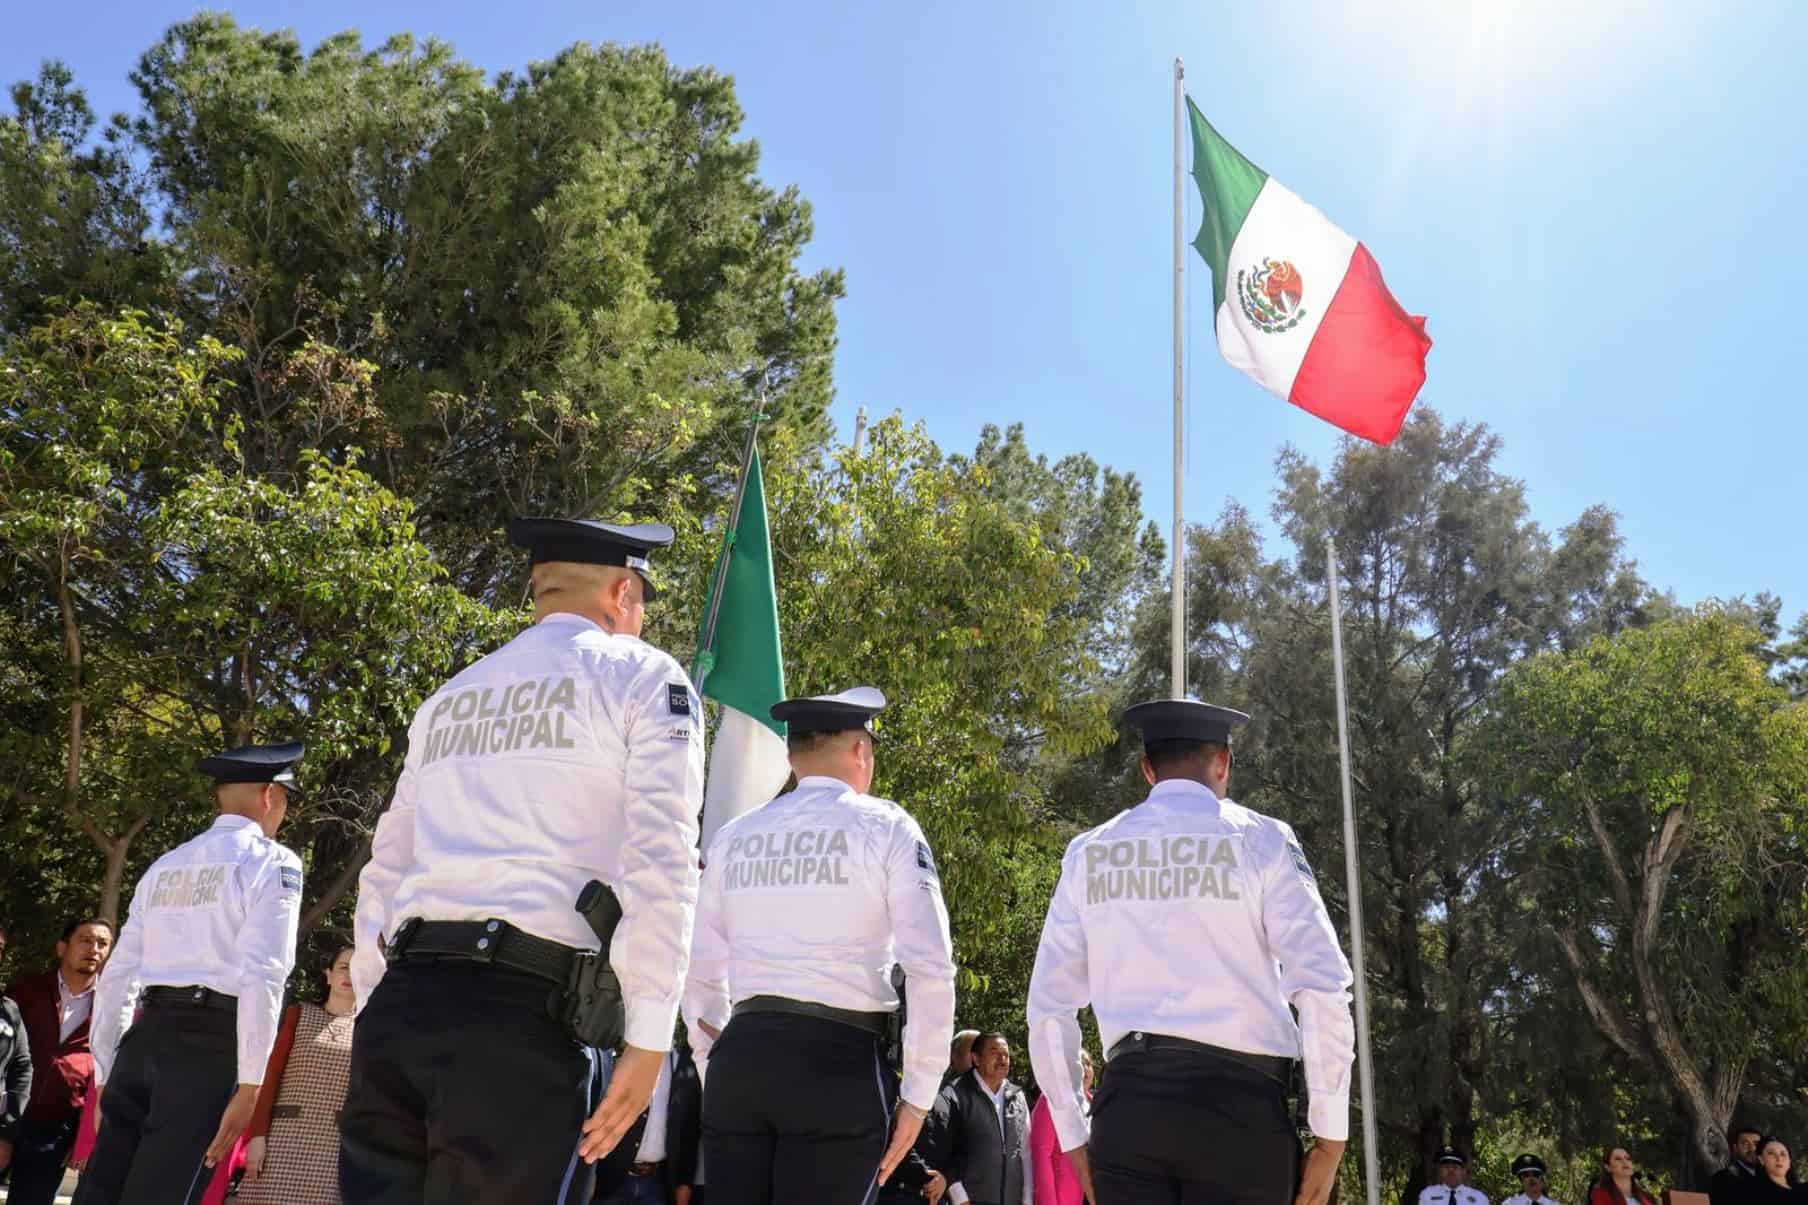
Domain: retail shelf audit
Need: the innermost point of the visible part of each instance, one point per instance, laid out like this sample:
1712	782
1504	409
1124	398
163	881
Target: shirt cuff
1330	1118
957	1192
1071	1129
650	1022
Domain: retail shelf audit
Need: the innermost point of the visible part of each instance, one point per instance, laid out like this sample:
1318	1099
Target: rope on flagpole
1371	1155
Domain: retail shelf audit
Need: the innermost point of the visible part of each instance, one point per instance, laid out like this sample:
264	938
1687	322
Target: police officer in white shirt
1530	1170
807	903
1453	1167
572	753
207	946
1190	924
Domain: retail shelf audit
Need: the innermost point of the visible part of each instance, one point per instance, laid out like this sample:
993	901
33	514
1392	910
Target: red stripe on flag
1367	360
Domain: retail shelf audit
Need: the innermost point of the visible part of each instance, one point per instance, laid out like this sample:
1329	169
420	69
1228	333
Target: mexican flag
1300	305
744	670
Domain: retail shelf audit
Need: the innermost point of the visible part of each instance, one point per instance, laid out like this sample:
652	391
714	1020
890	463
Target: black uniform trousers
1176	1127
39	1152
795	1109
464	1089
173	1073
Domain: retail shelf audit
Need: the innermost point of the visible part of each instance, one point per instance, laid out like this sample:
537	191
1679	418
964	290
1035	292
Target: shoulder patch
1300	863
677	698
925	860
291	878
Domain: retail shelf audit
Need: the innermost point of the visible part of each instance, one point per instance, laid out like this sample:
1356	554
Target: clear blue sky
1599	207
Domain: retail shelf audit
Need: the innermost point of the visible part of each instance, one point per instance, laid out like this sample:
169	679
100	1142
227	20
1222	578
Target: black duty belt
1273	1066
489	942
873	1023
192	996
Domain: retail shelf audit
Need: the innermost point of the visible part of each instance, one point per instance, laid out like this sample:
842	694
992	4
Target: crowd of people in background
985	1143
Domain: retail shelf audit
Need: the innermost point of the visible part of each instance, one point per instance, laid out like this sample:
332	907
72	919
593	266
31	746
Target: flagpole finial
1179	68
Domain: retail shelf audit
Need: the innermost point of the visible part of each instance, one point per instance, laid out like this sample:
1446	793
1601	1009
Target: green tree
903	568
1661	780
194	603
572	284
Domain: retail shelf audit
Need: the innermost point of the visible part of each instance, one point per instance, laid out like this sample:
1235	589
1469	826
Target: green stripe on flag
749	670
1228	185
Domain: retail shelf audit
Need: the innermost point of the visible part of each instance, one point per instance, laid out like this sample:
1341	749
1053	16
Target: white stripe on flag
747	767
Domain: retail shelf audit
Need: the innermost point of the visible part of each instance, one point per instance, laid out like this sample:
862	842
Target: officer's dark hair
979	1043
1738	1132
810	742
70	928
1171	756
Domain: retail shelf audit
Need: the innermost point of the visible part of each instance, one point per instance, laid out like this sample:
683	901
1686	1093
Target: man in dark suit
979	1131
656	1161
1733	1184
57	1007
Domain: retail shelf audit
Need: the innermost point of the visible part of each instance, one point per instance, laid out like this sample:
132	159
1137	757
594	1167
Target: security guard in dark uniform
206	949
562	771
807	904
1191	925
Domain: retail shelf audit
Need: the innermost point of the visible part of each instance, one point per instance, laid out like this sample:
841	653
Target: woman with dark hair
292	1147
1618	1184
1775	1183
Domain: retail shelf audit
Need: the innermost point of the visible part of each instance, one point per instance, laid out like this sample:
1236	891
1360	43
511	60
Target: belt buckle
484	948
398	945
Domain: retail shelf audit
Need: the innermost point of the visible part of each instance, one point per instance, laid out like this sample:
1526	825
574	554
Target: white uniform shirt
1197	918
218	911
1518	1198
652	1139
1462	1194
567	755
815	896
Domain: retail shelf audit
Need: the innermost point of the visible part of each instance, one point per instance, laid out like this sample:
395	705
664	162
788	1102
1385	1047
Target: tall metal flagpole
1371	1157
706	646
1177	654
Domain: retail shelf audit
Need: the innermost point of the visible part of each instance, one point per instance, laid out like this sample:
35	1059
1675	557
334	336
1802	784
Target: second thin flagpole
1371	1154
1177	648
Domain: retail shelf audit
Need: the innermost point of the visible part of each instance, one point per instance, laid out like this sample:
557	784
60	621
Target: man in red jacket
57	1006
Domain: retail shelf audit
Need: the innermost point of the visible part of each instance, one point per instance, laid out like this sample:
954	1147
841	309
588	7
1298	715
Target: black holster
590	1008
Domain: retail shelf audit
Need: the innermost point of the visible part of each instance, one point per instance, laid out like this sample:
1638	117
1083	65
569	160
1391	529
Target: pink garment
1054	1178
222	1173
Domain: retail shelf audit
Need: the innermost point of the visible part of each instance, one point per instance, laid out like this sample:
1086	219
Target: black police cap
1528	1165
588	542
256	763
1184	720
852	708
1449	1154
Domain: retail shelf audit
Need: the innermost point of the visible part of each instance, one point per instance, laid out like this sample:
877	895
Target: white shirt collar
67	993
234	821
825	782
1182	790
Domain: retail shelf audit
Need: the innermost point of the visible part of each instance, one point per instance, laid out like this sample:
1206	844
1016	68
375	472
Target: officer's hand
630	1092
904	1130
681	1195
232	1123
6	1154
254	1157
936	1185
1320	1172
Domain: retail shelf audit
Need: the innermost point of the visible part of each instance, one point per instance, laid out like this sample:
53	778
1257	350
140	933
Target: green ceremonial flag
747	764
